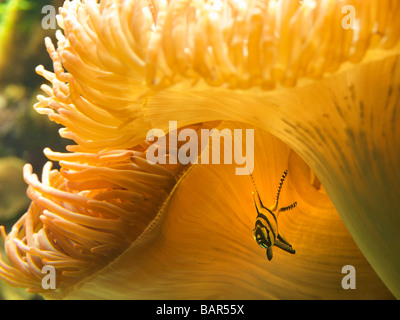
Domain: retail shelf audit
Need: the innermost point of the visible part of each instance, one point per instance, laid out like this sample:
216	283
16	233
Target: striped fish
266	227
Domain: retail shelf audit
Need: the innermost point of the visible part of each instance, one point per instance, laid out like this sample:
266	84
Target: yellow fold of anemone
124	237
288	67
200	244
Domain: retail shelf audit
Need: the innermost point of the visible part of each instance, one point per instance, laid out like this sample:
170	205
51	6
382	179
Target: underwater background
23	133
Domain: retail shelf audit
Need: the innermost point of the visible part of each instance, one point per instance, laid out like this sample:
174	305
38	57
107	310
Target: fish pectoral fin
284	246
282	239
269	253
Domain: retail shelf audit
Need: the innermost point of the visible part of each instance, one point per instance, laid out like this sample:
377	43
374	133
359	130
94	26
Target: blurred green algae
13	199
23	133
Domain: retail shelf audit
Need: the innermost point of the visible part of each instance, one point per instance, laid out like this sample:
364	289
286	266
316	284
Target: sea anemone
323	100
